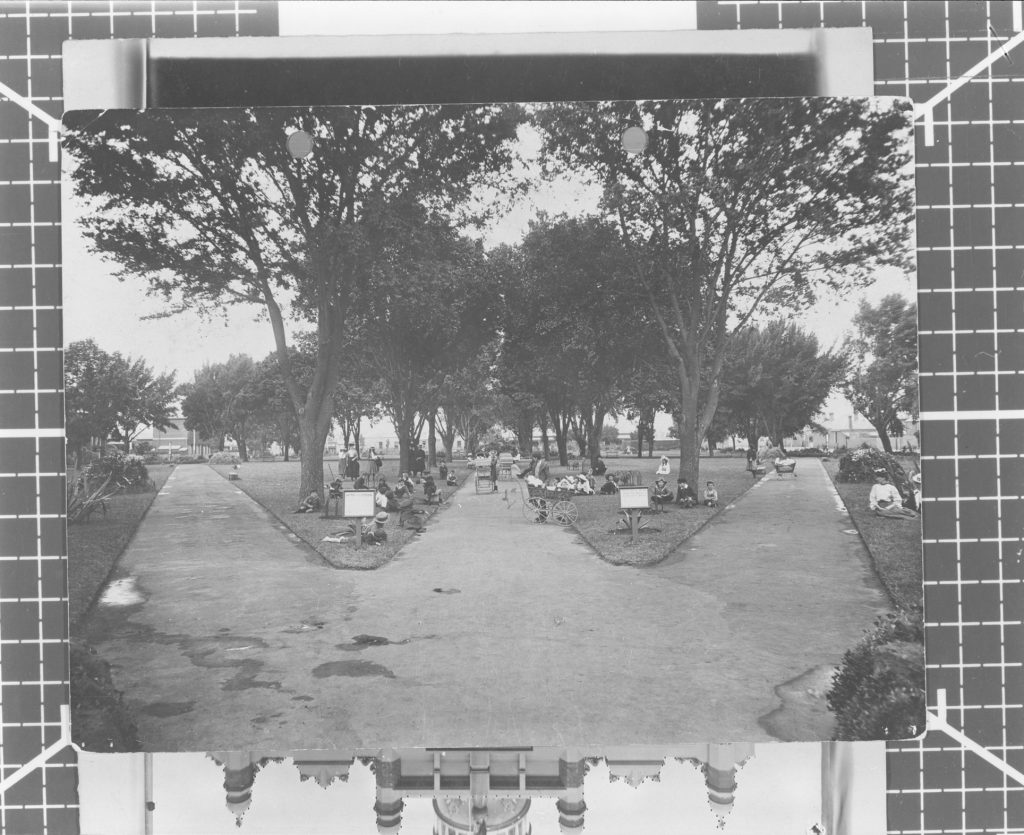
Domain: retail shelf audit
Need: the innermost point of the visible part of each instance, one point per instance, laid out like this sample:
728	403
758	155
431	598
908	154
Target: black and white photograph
490	425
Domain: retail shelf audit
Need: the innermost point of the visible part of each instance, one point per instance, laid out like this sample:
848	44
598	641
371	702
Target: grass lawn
599	514
274	484
894	544
94	546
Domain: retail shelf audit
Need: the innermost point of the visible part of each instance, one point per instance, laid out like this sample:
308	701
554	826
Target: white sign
358	504
633	497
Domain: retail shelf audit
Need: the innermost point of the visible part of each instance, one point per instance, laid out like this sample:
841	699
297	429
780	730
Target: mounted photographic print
495	317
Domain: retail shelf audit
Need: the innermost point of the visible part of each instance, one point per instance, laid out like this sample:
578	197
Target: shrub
812	452
142	448
223	458
190	459
859	466
129	470
100	718
878	691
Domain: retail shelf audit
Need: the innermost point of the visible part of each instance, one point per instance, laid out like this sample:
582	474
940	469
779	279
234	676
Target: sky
115	313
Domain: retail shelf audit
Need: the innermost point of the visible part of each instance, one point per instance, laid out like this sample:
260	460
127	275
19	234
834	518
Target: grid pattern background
971	260
970	232
33	621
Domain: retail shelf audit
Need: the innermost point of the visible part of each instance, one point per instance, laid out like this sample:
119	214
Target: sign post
357	504
634	500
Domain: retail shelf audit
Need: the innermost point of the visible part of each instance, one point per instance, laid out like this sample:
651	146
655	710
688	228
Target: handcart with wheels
543	504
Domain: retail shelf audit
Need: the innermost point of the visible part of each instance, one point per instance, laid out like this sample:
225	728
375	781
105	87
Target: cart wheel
565	513
536	509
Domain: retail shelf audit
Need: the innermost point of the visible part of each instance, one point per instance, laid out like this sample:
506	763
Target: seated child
429	487
661	495
685	496
451	480
710	495
358	484
609	487
336	488
309	504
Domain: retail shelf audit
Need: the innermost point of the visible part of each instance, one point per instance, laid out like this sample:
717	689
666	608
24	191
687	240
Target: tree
572	329
112	395
882	384
91	394
774	382
275	411
741	207
211	210
469	404
429	267
224	400
147	399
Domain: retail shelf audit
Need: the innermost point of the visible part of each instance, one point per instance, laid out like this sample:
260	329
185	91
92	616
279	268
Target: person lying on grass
885	500
375	534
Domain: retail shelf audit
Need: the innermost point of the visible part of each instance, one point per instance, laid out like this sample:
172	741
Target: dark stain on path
245	678
351	668
165	709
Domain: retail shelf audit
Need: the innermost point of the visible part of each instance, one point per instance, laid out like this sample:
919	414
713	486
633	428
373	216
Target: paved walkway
486	630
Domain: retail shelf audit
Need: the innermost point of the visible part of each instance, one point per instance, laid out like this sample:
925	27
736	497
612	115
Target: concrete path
487	630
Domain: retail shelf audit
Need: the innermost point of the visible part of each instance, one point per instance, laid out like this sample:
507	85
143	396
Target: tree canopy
775	381
107	394
210	209
740	208
882	384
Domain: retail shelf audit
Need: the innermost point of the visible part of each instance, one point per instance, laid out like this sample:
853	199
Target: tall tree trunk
560	424
544	444
243	451
689	440
432	441
313	434
594	436
883	436
524	432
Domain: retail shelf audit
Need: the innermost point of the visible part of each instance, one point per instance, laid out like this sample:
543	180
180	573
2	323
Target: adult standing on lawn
372	464
351	462
419	461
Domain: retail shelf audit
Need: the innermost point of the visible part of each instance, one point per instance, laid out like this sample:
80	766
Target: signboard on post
634	500
357	504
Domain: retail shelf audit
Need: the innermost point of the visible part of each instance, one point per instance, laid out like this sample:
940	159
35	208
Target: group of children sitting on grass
398	499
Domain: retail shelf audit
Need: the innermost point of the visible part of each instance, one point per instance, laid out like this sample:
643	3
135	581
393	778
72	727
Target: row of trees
739	210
